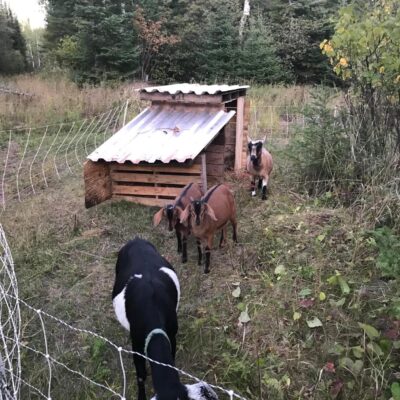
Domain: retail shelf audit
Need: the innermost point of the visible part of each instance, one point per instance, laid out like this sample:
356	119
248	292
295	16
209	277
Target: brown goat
172	212
210	214
259	165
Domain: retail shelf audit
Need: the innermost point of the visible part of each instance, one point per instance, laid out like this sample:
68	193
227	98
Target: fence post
125	112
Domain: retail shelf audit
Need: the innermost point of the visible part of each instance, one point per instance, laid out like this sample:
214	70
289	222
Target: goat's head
197	391
201	391
255	149
171	212
196	211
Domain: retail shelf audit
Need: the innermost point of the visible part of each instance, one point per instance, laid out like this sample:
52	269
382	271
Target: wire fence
40	345
31	158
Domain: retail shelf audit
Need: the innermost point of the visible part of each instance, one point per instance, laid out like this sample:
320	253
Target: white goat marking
174	278
139	276
253	193
120	309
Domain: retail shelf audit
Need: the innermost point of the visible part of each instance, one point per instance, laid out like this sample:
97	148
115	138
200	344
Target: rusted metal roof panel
163	134
193	88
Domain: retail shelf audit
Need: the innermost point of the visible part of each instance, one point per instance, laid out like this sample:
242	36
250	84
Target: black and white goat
259	165
145	298
172	212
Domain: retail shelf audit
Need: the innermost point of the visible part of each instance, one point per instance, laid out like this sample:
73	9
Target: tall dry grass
56	99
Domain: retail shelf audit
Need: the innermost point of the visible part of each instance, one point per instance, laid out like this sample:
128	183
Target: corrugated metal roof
195	88
163	134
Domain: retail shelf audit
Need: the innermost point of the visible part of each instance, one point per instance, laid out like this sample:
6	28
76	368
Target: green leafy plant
388	245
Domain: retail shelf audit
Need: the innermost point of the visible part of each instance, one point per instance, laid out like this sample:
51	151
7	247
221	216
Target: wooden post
204	172
125	112
239	133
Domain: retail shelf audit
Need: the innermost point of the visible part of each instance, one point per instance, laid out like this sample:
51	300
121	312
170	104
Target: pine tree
12	43
259	61
101	45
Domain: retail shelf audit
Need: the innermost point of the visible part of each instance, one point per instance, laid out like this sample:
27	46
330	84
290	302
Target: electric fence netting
31	335
31	158
58	347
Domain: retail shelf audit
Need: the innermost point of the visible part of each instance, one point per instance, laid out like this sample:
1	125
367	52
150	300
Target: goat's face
255	149
196	211
171	213
197	391
201	391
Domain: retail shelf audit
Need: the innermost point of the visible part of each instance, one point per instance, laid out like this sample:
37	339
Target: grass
307	277
55	99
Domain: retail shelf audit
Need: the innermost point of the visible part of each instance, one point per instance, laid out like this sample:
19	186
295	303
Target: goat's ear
185	215
210	212
158	217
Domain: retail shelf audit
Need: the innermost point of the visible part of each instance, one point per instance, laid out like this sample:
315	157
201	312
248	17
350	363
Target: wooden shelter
189	133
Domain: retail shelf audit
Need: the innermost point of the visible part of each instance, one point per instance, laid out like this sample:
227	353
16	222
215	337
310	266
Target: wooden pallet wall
153	185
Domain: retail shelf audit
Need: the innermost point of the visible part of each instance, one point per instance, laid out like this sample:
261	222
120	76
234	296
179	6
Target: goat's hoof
264	198
206	270
184	260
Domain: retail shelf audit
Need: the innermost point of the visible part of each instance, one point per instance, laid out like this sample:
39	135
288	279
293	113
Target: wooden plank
147	201
181	98
204	171
118	176
215	158
97	182
192	169
246	131
239	133
197	107
215	170
145	190
215	148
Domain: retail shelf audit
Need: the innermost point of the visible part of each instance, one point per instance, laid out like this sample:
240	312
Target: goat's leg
179	238
264	187
253	186
208	254
222	241
184	248
140	365
234	227
173	346
200	257
260	182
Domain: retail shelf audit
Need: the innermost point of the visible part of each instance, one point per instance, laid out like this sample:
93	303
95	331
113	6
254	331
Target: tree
219	57
258	57
365	48
365	51
298	28
34	43
60	21
12	43
102	45
153	38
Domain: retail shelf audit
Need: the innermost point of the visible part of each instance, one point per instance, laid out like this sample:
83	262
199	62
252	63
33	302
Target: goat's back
222	202
149	281
189	192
